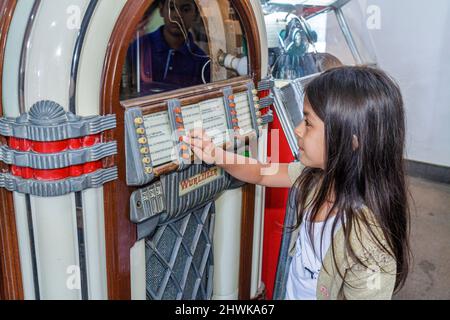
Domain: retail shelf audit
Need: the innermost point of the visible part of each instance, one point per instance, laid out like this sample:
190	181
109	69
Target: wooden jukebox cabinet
101	198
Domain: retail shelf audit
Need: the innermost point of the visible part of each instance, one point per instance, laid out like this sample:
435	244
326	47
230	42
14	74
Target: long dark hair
365	103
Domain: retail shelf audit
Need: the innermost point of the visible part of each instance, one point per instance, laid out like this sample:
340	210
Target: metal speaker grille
179	258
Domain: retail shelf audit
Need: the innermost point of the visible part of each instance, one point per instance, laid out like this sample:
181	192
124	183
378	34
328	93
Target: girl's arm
249	170
242	168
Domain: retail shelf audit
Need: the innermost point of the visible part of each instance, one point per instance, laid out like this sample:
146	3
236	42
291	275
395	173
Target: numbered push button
148	170
142	140
139	121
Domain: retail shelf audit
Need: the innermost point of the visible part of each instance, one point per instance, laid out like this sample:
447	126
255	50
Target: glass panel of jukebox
305	38
190	64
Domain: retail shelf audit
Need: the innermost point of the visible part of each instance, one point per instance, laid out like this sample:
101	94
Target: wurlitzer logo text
199	180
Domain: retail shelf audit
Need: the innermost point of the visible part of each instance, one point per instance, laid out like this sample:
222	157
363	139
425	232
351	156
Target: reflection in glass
180	43
310	36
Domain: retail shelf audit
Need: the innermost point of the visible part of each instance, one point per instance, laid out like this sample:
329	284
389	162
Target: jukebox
101	198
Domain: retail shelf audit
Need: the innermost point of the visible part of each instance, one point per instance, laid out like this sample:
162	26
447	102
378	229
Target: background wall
413	45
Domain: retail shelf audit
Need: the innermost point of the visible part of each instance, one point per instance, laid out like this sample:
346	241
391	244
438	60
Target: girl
351	235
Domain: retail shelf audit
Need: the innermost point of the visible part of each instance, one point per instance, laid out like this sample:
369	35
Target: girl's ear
355	143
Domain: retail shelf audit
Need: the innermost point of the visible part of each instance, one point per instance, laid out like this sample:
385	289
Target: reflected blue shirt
179	67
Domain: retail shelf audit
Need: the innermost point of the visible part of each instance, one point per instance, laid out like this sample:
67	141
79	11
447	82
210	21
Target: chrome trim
23	55
348	35
77	53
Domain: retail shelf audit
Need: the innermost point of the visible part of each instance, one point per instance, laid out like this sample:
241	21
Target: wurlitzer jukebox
101	196
305	38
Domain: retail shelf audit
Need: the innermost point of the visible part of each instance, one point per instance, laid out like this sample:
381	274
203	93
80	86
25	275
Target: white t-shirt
307	264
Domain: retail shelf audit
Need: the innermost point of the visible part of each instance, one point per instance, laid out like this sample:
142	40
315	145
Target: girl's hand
203	146
242	168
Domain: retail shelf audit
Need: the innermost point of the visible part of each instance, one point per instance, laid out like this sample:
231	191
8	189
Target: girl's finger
196	133
209	149
198	143
199	134
228	145
202	156
198	153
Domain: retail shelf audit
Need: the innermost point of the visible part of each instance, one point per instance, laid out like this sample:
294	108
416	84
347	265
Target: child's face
311	139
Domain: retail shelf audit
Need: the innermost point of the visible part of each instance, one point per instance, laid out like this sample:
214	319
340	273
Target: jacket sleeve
375	280
295	169
374	276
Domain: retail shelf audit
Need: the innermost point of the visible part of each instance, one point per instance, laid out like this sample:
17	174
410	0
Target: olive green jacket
372	280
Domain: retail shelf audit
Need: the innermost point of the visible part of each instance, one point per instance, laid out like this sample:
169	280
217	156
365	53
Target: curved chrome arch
76	54
23	55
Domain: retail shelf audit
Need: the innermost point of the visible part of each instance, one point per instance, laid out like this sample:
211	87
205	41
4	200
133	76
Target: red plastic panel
55	147
56	174
275	209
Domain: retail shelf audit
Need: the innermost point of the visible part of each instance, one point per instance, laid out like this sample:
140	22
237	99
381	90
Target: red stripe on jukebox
39	147
53	147
264	94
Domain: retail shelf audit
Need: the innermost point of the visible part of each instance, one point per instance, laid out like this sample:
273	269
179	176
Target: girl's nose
299	130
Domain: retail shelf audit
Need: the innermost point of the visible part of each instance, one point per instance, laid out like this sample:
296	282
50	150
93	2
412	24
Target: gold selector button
144	150
140	131
148	170
142	140
146	160
138	121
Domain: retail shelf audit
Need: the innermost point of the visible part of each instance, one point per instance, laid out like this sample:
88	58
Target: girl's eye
307	123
